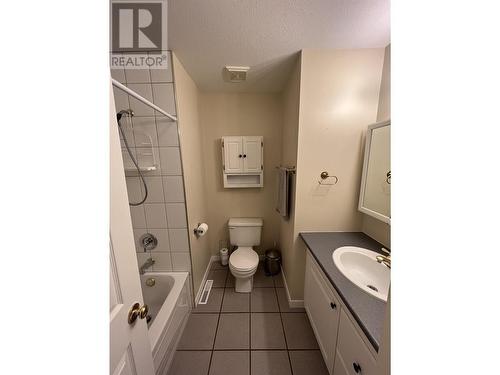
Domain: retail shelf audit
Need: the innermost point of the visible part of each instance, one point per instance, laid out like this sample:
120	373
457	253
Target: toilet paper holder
199	231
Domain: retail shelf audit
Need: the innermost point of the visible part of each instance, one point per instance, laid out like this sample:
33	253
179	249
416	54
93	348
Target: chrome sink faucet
384	259
149	262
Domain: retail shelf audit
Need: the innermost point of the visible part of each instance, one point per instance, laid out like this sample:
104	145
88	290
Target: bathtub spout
149	262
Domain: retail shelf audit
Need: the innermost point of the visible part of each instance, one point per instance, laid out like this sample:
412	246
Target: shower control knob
148	241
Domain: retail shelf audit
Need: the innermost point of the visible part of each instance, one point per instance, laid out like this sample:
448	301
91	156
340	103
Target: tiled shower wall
154	140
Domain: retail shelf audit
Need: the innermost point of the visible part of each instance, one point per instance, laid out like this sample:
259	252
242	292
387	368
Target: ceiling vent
237	73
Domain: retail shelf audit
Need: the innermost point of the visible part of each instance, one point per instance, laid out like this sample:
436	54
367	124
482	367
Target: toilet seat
243	260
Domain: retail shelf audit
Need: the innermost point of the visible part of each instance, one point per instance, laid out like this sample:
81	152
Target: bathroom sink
362	269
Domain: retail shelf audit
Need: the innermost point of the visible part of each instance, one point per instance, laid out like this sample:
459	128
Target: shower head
127	112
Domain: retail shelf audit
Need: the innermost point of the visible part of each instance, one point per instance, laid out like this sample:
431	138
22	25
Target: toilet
244	233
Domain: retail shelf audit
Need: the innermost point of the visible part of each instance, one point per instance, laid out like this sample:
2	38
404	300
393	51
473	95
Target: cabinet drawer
353	350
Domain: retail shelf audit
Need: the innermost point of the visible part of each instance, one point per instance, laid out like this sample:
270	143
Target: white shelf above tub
142	169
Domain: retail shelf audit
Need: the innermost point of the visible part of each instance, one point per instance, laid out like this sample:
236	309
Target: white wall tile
163	94
181	262
138	216
179	240
170	161
173	189
139	108
145	131
167	132
121	99
155	215
163	240
142	258
163	75
137	235
162	262
147	157
155	189
126	126
127	160
137	75
134	189
176	215
118	74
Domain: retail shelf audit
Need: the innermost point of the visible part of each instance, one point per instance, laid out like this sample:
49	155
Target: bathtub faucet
149	262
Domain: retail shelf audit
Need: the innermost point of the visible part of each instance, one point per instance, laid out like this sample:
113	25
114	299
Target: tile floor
247	334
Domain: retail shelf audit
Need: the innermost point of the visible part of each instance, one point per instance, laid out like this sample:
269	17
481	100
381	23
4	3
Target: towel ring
324	175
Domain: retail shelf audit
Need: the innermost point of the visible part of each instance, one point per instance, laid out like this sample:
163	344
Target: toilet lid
244	258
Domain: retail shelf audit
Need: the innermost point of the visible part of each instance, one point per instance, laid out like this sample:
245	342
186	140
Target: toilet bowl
244	233
243	264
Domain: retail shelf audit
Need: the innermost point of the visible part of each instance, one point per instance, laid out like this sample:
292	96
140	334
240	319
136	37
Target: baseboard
213	258
293	303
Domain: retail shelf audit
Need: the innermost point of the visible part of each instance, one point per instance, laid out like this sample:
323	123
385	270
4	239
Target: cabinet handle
357	367
333	305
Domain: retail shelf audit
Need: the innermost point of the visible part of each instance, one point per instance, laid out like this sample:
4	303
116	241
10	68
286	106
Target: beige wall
240	114
193	164
291	103
375	228
339	92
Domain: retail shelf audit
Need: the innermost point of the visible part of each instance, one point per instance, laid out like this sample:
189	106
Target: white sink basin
362	269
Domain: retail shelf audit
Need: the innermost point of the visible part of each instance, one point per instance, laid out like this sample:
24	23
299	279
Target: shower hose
136	166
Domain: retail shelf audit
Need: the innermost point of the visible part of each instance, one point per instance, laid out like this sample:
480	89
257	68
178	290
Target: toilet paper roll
202	229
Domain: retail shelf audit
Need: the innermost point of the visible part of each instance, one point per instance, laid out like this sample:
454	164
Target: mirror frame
368	139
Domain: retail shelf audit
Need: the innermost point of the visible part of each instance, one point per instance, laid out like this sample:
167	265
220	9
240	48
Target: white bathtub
169	302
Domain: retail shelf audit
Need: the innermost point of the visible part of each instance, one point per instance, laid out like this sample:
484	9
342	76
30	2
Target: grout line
249	332
284	334
216	328
246	350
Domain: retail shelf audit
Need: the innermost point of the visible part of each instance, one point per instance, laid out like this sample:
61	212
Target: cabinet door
351	347
233	154
323	311
252	154
340	367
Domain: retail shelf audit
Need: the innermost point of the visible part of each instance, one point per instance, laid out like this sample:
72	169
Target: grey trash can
272	262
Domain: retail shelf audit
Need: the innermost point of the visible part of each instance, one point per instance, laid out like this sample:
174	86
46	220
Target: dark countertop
366	309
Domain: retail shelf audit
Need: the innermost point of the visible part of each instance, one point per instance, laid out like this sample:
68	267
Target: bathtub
169	302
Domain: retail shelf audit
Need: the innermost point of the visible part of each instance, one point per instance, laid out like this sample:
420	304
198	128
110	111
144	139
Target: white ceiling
266	35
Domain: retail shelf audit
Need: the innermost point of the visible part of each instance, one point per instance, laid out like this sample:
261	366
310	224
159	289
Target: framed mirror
375	194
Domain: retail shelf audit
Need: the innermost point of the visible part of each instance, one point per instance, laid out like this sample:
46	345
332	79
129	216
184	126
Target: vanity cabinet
323	309
343	348
352	353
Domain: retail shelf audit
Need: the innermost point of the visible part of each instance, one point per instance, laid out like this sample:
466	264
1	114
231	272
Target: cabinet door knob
357	367
240	156
245	155
333	305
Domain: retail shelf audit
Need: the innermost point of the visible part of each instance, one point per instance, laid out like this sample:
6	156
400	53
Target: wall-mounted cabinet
243	161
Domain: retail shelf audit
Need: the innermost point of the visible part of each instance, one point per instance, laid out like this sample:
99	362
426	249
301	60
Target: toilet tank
245	231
